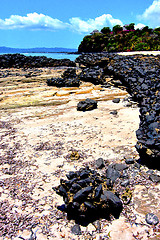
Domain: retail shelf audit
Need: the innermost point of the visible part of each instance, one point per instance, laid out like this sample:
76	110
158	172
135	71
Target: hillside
121	39
38	50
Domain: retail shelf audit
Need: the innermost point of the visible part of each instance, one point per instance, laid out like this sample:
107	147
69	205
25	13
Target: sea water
72	57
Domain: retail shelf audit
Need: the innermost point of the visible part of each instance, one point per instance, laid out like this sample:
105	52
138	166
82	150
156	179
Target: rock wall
22	61
141	76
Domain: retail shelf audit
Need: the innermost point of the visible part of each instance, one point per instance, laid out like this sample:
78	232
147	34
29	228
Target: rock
154	178
113	201
76	229
112	174
61	82
152	219
86	196
120	166
100	163
140	75
82	194
93	75
98	191
125	183
129	161
116	100
22	61
69	73
114	112
87	105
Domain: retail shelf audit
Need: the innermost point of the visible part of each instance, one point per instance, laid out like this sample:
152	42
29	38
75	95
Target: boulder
87	105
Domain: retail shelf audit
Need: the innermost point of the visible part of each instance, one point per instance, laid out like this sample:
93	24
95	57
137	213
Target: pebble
116	100
100	163
129	161
154	178
125	183
76	229
152	219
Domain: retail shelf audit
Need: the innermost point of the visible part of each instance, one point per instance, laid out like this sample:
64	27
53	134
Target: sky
64	23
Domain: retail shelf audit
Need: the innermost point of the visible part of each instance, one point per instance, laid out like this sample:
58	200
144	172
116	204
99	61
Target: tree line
121	39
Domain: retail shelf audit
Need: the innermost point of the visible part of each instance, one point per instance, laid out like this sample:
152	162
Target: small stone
112	174
82	194
152	219
120	166
76	229
116	100
154	178
100	163
125	183
129	161
114	112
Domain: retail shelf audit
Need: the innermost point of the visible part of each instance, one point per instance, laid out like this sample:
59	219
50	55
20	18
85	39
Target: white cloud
152	14
89	25
139	25
32	21
35	21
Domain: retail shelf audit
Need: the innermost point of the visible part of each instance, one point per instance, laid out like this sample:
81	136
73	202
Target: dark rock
129	161
91	200
116	100
87	105
140	75
22	61
75	187
152	219
92	74
120	166
114	112
71	175
100	163
98	191
61	82
69	73
112	174
76	229
113	201
154	178
84	182
82	194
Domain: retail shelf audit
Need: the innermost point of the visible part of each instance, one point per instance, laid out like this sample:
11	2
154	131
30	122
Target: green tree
106	30
130	26
117	28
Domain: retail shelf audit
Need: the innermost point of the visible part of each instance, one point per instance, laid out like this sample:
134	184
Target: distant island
121	39
37	50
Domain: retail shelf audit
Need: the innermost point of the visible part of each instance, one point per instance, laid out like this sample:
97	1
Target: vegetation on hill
121	39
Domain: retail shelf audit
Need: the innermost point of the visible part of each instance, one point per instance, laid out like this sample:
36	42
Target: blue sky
64	23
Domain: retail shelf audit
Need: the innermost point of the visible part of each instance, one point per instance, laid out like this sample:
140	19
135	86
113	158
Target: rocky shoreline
91	152
22	61
140	75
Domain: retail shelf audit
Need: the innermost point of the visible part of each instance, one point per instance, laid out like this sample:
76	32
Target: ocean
72	57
